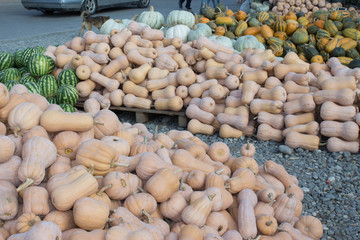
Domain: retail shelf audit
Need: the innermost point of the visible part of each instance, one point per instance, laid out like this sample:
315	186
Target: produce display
89	176
281	99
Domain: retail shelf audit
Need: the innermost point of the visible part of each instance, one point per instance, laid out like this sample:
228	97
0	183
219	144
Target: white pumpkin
248	41
110	25
180	31
225	41
177	17
152	18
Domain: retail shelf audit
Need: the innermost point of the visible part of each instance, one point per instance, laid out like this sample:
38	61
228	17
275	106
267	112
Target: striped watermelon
33	87
18	57
27	54
67	94
67	77
52	100
67	107
27	78
23	71
41	48
48	86
1	75
40	65
9	84
10	74
7	60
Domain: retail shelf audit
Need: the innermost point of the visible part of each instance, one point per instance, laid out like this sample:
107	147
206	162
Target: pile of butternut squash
81	176
234	94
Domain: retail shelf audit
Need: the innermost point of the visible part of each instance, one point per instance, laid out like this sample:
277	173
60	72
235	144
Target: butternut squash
330	111
311	128
280	70
303	104
298	140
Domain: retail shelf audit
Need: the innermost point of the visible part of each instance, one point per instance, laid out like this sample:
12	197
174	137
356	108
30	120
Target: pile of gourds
76	176
221	91
283	7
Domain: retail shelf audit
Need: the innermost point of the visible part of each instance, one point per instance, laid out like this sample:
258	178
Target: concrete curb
55	38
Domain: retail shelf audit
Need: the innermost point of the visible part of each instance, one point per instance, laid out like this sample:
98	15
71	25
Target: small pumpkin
266	225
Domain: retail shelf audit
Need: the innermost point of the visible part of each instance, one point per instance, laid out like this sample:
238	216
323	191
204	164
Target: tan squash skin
246	215
274	120
292	120
331	111
4	96
293	232
35	200
311	128
61	187
241	179
44	230
7	148
9	170
168	179
349	130
64	220
335	144
85	210
258	105
8	201
344	96
55	121
310	227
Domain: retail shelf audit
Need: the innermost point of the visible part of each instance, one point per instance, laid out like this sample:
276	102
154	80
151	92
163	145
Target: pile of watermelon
32	68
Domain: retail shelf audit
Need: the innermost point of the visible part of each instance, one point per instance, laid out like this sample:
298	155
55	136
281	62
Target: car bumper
64	5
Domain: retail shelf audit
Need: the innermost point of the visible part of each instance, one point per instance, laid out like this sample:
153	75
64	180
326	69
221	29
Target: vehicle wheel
90	6
47	11
143	3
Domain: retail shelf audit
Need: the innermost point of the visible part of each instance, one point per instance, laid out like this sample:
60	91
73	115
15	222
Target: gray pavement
21	28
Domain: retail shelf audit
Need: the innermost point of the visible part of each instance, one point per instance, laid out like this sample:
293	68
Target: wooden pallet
142	115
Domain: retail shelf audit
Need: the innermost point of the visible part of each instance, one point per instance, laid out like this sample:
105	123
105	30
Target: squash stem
156	132
102	190
118	164
16	131
173	146
227	186
27	183
211	197
140	189
177	171
97	122
268	223
91	169
218	172
145	216
181	187
31	222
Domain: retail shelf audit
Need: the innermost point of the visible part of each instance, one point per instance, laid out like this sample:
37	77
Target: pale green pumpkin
248	41
152	18
225	41
200	29
177	17
110	25
180	31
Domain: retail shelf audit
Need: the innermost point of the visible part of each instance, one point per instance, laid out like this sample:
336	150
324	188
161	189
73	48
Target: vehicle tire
89	5
47	12
143	3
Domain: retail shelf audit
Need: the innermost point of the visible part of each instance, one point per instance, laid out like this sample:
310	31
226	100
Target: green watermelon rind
48	86
40	65
67	107
67	94
67	77
7	60
10	74
33	87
